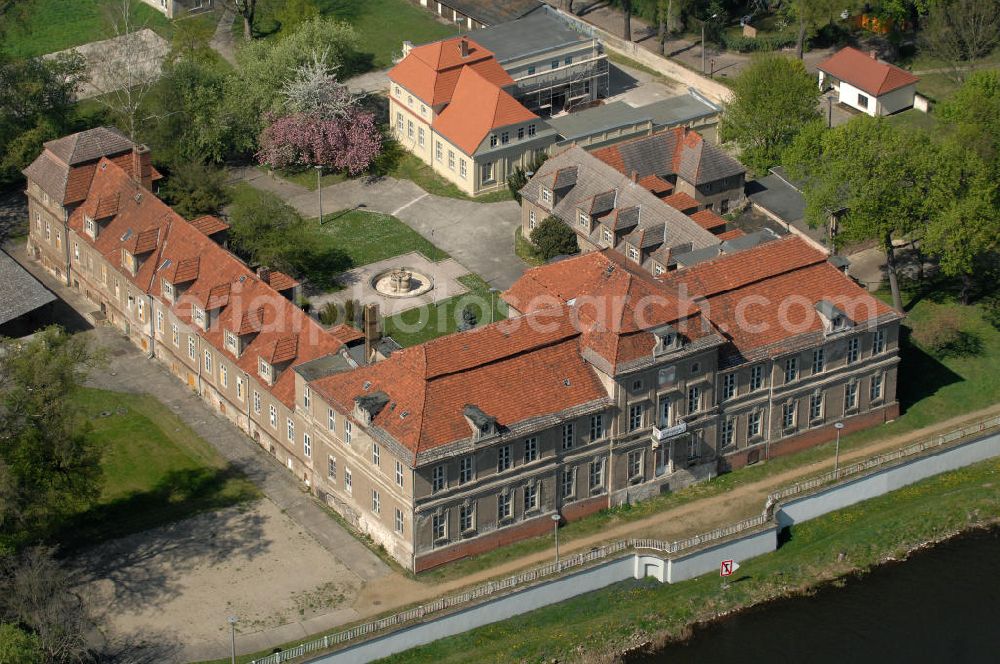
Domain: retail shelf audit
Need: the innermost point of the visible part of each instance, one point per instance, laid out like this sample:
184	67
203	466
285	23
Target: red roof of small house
682	202
431	72
210	225
708	219
347	333
731	235
866	72
477	107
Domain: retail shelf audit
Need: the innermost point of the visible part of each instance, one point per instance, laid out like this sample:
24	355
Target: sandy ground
178	584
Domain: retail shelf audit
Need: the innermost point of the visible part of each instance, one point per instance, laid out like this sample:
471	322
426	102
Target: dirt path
695	517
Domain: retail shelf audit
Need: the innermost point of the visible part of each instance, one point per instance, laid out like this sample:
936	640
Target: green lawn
867	534
406	166
156	469
424	323
525	250
36	27
369	237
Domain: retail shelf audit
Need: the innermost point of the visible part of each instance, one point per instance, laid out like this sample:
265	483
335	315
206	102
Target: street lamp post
232	633
319	190
555	531
836	459
713	16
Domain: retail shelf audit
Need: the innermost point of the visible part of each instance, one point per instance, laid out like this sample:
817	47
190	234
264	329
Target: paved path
222	41
480	236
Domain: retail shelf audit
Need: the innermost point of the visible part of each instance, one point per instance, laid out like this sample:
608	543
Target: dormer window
668	339
130	262
633	254
90	226
265	369
482	425
608	237
493	140
232	343
168	290
583	218
199	317
546	195
834	320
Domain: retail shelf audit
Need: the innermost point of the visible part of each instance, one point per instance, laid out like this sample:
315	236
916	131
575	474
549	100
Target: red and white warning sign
728	567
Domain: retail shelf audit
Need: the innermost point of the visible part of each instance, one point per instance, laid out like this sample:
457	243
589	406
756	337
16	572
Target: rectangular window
815	407
788	415
466	517
546	195
399	122
756	377
439	526
399	473
851	395
376	502
878	343
694	399
348	428
531	497
224	375
665	408
451	160
819	360
140	308
239	387
398	521
331	419
376	454
635	416
231	339
273	416
862	101
487	171
463	169
503	458
531	70
530	450
597	475
465	470
192	348
635	465
597	426
438	151
583	218
520	133
853	350
567	483
531	130
76	251
409	129
504	137
420	136
306	397
493	140
876	388
568	60
608	237
633	253
331	468
728	433
568	435
555	64
307	447
439	478
504	507
694	448
791	369
159	322
753	424
256	402
290	428
531	219
348	483
728	386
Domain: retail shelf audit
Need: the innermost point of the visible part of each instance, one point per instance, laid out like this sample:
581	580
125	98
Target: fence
602	553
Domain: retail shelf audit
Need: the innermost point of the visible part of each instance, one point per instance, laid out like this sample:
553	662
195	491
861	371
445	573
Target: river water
941	605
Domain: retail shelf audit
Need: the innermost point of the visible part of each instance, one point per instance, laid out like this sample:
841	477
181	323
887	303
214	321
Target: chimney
874	54
142	166
463	47
264	274
635	175
371	330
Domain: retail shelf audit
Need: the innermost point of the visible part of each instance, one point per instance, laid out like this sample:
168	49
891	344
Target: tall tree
974	110
961	30
246	10
811	15
773	98
875	177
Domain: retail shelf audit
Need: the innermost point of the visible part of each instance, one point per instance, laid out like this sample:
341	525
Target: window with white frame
232	342
657	269
753	424
504	506
694	399
791	369
878	343
546	195
90	226
530	450
463	169
466	517
264	369
451	160
486	172
635	465
331	419
583	218
493	140
331	468
568	435
876	388
503	458
306	397
597	426
635	416
531	130
272	413
256	402
409	100
851	395
815	406
666	405
398	521
756	377
728	386
76	251
633	254
853	349
727	434
399	122
531	497
438	151
504	137
223	375
290	428
531	219
421	136
465	470
348	481
819	360
192	348
439	526
208	361
567	483
376	502
307	447
439	478
399	473
348	428
409	129
694	448
788	414
159	321
608	237
376	454
597	475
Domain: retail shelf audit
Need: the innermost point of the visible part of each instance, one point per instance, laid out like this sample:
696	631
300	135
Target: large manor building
607	384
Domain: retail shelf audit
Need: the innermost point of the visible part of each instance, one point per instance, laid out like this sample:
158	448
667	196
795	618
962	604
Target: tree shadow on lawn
921	375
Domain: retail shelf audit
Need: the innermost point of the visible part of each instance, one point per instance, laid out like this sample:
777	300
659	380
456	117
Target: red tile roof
281	282
731	235
682	202
477	107
866	72
708	219
656	185
209	225
347	333
431	72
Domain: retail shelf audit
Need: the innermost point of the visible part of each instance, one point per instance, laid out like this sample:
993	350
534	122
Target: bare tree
125	72
962	30
245	9
627	14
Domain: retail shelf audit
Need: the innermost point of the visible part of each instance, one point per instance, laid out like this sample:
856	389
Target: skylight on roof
165	265
126	235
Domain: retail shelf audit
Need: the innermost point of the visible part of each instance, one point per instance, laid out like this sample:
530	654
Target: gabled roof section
478	107
866	72
89	145
708	220
431	72
209	225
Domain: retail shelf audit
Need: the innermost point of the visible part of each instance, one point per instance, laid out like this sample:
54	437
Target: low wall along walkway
668	562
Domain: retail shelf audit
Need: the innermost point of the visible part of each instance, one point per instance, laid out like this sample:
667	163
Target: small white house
866	83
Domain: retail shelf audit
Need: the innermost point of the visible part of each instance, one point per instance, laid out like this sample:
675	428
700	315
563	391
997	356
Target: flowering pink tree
323	125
